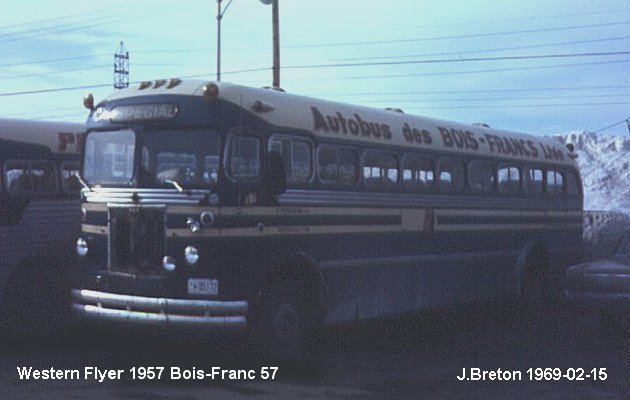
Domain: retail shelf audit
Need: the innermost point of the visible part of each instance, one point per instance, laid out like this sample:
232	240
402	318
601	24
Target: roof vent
394	109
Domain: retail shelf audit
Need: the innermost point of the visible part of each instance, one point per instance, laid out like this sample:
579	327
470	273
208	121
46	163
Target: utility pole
276	43
275	22
219	17
121	67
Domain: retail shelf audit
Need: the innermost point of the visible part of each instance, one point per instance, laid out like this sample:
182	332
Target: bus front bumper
110	307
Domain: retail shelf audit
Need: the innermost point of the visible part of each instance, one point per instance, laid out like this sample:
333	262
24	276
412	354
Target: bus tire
286	322
535	289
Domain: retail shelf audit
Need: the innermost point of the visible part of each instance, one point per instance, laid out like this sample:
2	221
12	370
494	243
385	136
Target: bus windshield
190	158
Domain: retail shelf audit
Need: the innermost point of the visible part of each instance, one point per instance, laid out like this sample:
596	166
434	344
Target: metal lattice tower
121	67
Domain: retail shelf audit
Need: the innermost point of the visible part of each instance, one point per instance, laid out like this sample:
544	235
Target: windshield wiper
82	182
177	186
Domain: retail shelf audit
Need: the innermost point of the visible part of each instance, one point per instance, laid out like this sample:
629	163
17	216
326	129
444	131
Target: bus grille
136	239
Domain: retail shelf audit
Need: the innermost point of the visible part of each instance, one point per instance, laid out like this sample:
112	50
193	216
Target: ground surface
408	358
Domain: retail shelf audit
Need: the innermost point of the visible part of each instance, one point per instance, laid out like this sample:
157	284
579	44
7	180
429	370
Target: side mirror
276	176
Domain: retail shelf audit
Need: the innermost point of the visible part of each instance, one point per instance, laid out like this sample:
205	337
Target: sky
536	66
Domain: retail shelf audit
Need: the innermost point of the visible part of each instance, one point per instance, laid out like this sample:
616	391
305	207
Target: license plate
203	286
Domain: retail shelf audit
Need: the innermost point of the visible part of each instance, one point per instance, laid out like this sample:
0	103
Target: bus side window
535	181
37	177
555	183
418	172
452	176
481	177
17	177
327	165
296	154
245	158
43	177
509	179
348	166
380	169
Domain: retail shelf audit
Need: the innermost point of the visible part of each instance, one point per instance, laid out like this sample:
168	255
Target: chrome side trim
102	306
144	196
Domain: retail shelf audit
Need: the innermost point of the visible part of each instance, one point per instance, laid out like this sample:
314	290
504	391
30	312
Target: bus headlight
82	247
168	262
192	255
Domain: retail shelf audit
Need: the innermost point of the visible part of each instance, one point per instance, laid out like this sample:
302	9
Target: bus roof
367	125
59	137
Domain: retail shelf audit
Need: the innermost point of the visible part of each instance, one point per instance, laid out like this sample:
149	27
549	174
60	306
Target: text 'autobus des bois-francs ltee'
39	208
218	205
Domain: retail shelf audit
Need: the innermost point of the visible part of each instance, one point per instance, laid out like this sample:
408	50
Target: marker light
82	247
192	255
168	262
144	85
210	93
173	82
88	101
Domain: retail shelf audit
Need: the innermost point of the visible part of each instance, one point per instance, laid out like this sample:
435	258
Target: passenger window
452	177
509	179
380	169
17	177
481	177
245	160
31	177
554	183
418	172
349	166
534	181
297	158
327	167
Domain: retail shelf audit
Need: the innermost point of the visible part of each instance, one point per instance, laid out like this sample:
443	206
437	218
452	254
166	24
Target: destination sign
137	112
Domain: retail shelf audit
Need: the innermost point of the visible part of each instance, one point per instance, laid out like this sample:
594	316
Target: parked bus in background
39	208
220	206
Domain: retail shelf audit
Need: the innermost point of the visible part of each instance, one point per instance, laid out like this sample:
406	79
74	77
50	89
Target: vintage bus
222	206
39	208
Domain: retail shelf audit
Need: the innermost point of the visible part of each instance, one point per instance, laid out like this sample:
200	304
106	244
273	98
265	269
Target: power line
462	36
466	72
460	60
494	99
494	50
503	90
627	120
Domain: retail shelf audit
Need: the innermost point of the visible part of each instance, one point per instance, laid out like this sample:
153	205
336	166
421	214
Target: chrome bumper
102	306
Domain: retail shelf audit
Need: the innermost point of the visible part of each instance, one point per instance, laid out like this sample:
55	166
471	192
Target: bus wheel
286	322
535	283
